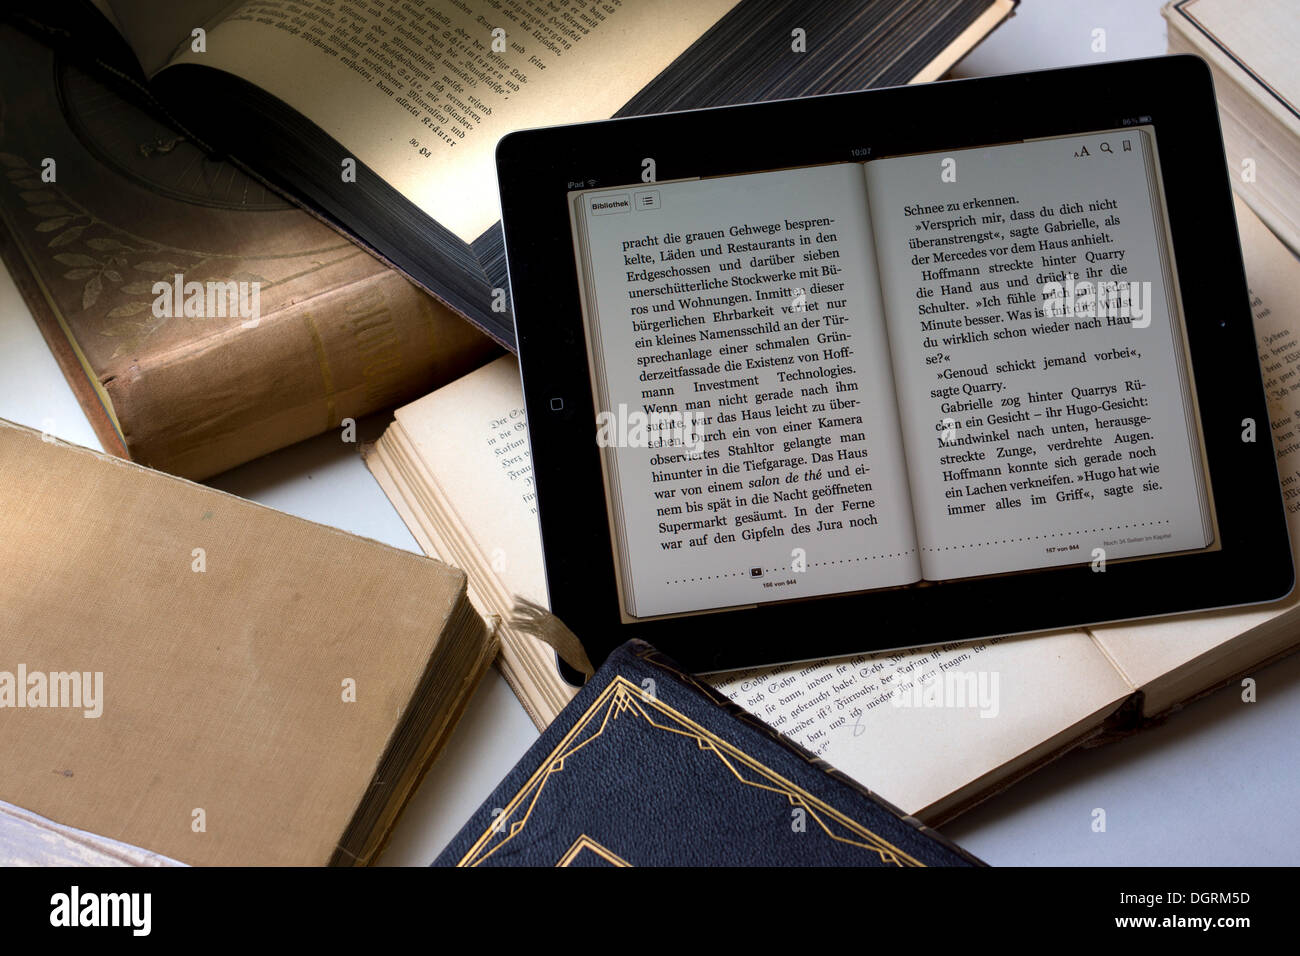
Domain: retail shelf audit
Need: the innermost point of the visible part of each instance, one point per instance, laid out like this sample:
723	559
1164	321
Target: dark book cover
648	767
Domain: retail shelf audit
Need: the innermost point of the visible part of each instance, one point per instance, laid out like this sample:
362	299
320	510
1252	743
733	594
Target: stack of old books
241	225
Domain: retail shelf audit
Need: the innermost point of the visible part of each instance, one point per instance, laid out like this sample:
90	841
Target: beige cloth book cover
209	680
456	467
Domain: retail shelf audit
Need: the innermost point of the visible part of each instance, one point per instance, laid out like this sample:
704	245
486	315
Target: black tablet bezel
538	168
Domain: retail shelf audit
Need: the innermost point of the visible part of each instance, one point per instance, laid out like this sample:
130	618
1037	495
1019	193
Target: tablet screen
890	373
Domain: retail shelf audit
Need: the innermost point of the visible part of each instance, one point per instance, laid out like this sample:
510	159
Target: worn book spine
211	403
339	354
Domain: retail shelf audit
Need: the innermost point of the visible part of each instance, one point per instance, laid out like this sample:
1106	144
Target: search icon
1105	148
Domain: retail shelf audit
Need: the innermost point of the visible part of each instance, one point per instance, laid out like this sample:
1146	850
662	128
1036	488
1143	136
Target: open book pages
931	730
255	688
849	361
351	66
422	92
473	507
384	116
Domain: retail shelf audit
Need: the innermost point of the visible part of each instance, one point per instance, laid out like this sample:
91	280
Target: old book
1020	700
384	116
130	202
205	680
1251	48
647	766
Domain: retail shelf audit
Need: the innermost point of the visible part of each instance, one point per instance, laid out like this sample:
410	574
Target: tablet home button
557	404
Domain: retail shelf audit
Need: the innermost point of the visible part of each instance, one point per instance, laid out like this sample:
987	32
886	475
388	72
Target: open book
847	365
457	470
384	115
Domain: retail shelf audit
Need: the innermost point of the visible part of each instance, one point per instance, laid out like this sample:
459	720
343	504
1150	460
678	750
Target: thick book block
208	679
648	767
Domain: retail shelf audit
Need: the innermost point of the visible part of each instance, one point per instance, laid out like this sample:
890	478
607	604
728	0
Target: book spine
230	397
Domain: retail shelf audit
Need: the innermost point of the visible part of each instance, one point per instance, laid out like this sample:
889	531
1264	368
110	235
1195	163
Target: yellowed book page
916	756
919	726
472	437
206	642
421	94
1146	652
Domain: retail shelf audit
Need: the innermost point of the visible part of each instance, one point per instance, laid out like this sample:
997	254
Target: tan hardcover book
192	677
457	470
1251	48
129	202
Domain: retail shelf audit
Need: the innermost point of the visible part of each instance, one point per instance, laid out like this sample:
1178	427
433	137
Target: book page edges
966	41
525	663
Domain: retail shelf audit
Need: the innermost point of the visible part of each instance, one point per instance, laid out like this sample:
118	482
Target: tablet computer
880	369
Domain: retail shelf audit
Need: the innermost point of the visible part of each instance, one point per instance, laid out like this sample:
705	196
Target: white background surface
1217	784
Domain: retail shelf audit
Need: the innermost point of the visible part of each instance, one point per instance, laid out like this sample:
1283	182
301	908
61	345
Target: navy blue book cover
649	767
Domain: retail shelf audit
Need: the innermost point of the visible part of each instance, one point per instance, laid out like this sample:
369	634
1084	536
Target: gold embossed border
620	698
586	843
